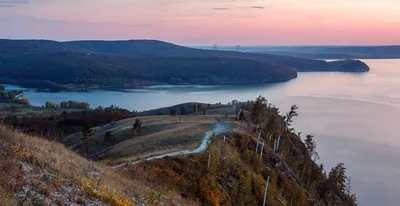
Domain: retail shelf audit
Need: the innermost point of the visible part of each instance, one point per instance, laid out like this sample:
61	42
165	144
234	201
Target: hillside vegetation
150	48
257	147
107	69
52	65
235	169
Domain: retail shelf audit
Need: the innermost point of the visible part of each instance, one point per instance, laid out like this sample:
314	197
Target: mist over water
354	117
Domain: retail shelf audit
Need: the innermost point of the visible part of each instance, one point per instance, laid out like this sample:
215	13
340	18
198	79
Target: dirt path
219	128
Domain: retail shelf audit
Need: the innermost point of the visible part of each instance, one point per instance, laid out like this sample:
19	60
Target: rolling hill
51	64
150	48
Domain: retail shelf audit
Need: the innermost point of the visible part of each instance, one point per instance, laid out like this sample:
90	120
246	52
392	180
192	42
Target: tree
311	146
260	111
100	108
348	186
194	108
136	127
182	110
292	113
25	101
74	105
2	88
52	105
109	137
274	124
241	115
337	178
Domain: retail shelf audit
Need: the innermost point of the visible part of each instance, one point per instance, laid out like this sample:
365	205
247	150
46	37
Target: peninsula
56	66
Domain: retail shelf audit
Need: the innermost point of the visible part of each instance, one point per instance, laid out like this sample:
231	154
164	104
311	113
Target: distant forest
62	65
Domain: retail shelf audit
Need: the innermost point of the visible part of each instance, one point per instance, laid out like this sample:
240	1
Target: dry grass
158	134
137	157
5	198
49	154
56	158
183	136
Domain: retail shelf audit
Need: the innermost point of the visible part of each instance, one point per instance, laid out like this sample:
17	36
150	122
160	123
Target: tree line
12	96
300	155
67	105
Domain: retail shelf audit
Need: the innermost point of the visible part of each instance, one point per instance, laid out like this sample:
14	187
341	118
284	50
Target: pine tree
182	110
337	178
260	111
292	113
136	127
194	108
311	147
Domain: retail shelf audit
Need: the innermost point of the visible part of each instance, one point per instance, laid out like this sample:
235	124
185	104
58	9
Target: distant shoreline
119	87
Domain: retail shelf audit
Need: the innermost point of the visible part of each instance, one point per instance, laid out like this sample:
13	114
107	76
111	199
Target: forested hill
45	64
160	48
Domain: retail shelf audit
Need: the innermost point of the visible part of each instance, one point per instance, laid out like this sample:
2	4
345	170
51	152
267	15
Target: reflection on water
353	116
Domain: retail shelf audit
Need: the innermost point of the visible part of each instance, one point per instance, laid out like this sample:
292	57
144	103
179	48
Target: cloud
220	8
241	17
257	7
29	19
38	20
13	3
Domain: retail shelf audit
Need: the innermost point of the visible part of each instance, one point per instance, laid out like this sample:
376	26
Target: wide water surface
354	117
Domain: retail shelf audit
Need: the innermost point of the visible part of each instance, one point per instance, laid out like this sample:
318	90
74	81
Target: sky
206	22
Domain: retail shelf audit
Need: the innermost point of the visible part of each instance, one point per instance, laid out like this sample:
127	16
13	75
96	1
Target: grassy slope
235	176
159	135
51	169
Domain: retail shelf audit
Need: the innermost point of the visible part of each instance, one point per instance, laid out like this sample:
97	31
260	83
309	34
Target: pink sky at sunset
204	22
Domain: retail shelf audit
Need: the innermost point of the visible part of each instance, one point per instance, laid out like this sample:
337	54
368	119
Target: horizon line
203	45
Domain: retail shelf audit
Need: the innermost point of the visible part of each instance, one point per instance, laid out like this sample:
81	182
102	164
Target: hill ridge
33	63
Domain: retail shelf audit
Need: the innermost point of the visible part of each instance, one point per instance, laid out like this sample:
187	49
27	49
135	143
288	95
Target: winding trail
219	128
